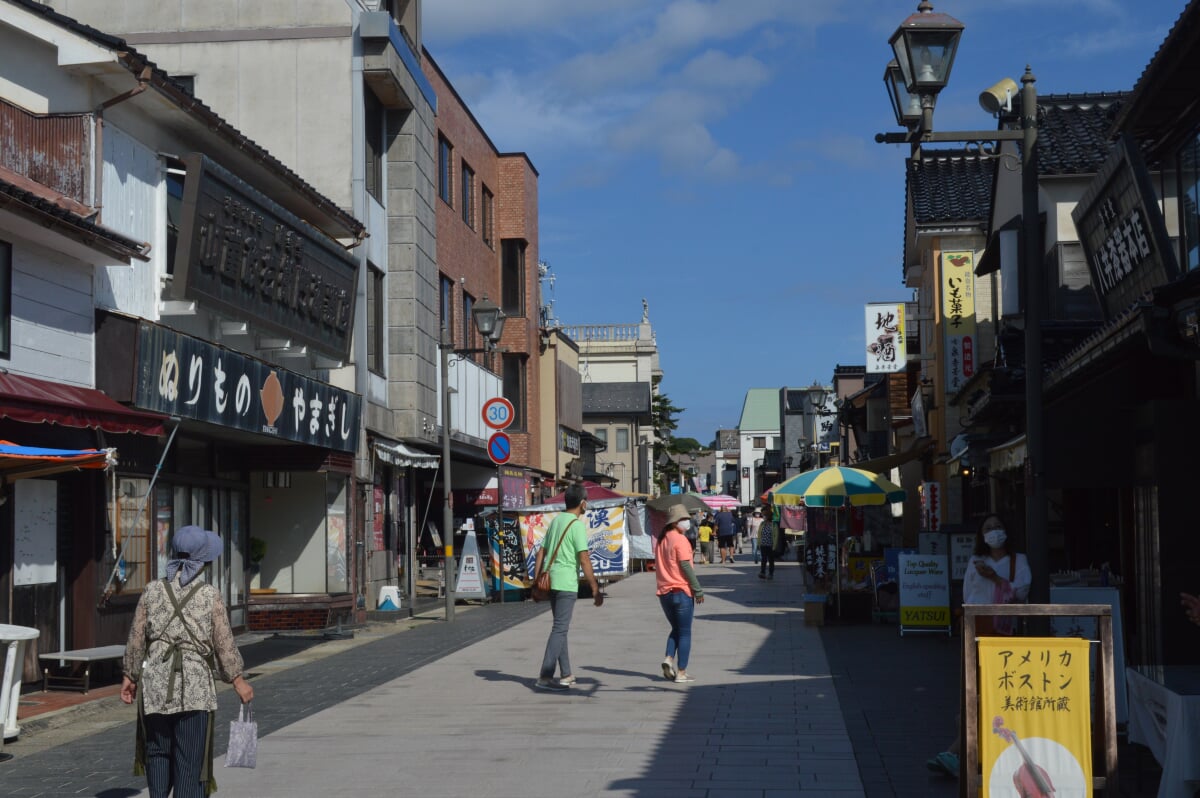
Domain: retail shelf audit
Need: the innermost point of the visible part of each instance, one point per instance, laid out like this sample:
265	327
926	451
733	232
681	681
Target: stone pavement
778	708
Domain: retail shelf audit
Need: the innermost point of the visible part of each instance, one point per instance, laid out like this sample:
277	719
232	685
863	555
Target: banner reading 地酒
1034	717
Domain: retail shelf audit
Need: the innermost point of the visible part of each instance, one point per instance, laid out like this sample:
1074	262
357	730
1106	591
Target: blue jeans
562	605
679	608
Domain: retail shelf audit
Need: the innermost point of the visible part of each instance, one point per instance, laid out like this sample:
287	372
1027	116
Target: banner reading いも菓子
1035	717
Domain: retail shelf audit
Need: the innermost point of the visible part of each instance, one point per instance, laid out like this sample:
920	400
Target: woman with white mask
678	592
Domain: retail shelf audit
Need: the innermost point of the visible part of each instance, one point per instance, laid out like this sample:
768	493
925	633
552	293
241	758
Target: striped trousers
175	754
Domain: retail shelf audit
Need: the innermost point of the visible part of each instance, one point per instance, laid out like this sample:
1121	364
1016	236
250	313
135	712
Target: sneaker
569	681
945	762
668	669
551	684
762	575
683	677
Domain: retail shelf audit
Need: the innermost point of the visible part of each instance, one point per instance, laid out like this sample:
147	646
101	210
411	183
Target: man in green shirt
565	542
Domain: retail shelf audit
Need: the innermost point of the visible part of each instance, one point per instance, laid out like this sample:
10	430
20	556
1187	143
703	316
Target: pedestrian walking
739	530
566	540
766	543
752	526
994	575
726	532
706	539
678	592
180	632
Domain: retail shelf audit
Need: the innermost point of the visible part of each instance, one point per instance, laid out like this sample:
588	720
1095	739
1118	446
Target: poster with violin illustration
1035	717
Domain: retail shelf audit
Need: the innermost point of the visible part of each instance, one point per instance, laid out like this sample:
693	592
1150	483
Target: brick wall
283	620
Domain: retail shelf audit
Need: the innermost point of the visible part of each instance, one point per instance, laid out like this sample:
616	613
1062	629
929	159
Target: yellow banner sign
1034	717
958	318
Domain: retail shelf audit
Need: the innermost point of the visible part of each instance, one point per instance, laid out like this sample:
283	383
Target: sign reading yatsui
886	350
958	317
242	254
183	376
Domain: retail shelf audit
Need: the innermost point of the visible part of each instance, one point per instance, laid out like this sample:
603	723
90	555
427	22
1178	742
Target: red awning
35	401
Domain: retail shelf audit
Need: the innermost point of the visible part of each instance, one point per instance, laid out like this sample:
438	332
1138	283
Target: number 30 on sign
498	412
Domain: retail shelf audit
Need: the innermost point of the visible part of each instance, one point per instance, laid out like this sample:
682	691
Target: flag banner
1035	717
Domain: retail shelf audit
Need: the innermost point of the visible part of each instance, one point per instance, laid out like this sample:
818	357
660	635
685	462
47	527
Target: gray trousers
562	605
175	754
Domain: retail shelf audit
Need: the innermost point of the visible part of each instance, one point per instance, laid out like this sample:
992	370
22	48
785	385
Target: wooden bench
85	655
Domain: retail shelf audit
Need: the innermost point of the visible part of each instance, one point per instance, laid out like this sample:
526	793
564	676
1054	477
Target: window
5	299
468	323
375	319
447	308
602	435
468	194
374	133
186	82
133	531
485	222
1189	203
174	181
514	389
445	189
622	439
760	442
512	277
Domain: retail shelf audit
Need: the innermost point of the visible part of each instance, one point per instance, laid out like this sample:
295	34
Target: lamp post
489	322
925	45
818	395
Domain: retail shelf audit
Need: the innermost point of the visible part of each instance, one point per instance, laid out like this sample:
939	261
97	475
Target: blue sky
717	157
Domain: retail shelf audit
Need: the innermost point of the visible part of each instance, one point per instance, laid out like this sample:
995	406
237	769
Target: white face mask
684	526
995	538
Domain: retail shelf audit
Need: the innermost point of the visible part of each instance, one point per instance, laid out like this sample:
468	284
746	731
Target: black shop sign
182	376
242	254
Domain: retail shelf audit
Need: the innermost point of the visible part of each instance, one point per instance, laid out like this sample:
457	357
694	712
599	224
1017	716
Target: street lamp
925	45
489	322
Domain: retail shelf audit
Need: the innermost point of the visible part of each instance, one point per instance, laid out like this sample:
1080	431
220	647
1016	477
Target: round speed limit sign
497	412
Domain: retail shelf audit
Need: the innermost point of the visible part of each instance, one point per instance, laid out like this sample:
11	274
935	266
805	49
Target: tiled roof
135	62
616	398
950	186
66	213
1073	131
760	411
1166	87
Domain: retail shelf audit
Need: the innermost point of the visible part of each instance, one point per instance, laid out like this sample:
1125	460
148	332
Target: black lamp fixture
818	395
489	321
906	106
925	45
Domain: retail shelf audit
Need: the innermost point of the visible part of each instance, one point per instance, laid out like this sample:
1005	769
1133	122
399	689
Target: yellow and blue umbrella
837	486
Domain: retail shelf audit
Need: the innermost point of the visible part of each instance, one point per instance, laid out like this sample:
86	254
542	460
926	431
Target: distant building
759	444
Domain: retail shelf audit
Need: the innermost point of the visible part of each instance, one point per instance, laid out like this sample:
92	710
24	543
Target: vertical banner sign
958	318
1034	717
507	559
378	541
886	350
931	506
962	547
924	593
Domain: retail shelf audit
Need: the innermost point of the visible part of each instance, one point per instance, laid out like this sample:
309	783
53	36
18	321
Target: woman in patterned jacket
180	634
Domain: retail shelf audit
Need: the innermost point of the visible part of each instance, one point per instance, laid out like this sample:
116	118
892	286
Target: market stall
610	517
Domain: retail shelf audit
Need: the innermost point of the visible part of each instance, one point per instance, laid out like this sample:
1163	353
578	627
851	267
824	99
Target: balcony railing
603	333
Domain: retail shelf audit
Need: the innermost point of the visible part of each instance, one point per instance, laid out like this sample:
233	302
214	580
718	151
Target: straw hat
677	513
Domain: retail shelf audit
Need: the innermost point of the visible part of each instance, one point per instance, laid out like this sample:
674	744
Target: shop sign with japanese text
242	254
1122	231
886	348
182	376
1034	716
958	318
514	488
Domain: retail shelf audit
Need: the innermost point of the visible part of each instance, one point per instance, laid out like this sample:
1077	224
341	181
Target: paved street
778	708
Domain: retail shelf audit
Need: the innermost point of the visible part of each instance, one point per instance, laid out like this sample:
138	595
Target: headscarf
193	548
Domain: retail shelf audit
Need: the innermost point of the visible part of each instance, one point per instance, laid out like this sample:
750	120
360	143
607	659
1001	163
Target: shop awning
22	462
1008	456
878	465
398	454
35	401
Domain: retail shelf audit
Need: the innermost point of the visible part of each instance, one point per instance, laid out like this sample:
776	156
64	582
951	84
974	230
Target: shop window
1189	203
468	194
512	277
373	131
376	351
514	389
486	204
337	543
5	299
445	169
622	439
447	307
132	535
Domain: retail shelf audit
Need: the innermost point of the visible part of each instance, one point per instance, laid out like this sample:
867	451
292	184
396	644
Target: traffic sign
499	448
497	412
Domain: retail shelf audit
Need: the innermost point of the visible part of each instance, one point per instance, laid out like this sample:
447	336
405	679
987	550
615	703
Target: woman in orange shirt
678	591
